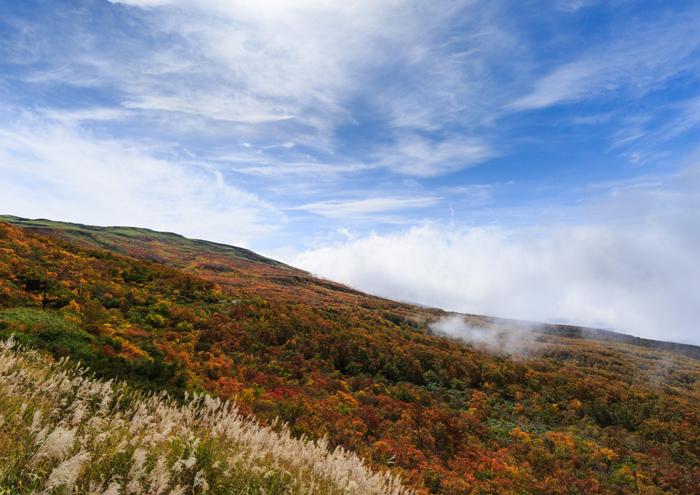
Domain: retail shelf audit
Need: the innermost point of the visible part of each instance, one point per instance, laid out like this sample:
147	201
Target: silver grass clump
41	435
80	412
159	478
114	488
36	421
67	472
178	490
56	446
199	480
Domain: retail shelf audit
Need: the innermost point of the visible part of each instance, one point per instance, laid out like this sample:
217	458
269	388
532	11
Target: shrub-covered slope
552	413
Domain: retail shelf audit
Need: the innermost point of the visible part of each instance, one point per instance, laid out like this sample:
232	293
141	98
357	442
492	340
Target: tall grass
62	431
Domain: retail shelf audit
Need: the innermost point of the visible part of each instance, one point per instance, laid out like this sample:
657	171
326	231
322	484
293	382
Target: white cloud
266	167
491	338
53	170
475	194
231	109
352	208
639	274
144	3
688	119
574	5
258	61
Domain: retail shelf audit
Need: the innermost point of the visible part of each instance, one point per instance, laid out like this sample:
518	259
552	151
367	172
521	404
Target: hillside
541	410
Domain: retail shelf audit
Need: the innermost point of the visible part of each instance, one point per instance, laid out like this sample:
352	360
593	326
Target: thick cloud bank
639	274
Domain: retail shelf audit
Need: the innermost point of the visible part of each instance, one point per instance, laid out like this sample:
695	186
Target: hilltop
231	265
539	410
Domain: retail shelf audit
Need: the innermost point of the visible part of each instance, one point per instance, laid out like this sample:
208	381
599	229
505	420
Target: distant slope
159	247
585	333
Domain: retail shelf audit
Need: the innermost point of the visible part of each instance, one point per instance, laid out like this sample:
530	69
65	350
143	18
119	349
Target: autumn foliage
572	415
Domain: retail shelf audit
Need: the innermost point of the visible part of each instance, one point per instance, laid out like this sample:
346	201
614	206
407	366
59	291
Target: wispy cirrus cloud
269	60
637	62
422	157
687	119
303	65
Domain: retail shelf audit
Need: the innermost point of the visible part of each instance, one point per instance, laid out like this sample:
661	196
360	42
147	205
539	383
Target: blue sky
529	159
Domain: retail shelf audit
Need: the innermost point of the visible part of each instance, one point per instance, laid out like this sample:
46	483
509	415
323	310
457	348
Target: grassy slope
572	416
